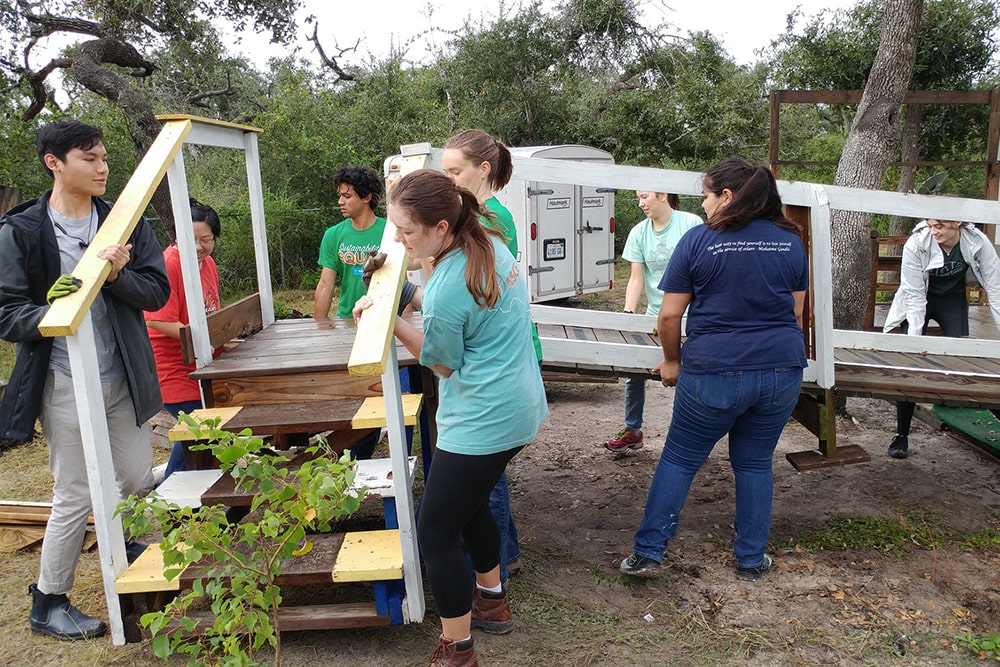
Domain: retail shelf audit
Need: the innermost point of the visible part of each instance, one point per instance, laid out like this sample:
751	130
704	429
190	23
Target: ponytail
429	197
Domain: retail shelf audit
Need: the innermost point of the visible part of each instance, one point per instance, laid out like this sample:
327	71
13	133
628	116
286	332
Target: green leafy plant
240	562
985	647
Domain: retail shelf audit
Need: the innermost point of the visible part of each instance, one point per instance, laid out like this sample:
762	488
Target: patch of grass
6	358
923	530
985	647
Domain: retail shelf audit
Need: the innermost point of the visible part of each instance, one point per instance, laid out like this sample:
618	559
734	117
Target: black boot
54	616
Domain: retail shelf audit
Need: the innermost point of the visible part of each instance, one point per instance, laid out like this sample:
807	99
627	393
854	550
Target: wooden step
374	555
314	417
194	488
315	617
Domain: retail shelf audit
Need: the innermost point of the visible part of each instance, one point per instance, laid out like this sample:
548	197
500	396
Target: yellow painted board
181	432
372	555
371	414
65	315
145	575
370	352
206	121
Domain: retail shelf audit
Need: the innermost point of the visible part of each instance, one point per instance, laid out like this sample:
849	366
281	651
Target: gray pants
131	453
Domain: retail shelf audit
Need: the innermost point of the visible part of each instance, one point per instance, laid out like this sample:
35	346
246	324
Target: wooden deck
290	361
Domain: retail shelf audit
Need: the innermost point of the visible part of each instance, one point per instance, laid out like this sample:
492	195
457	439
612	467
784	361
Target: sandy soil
575	498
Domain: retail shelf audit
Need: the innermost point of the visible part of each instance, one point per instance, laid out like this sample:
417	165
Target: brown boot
447	654
491	614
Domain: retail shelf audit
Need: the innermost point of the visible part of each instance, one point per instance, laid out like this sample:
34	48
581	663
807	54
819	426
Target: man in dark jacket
40	242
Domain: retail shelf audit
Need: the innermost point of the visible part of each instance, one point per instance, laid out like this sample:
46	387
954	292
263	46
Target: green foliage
985	647
241	561
923	530
835	50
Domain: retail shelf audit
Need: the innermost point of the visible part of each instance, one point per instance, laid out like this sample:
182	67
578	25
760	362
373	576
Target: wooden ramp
918	376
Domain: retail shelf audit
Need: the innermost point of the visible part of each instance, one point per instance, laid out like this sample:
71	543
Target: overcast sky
743	26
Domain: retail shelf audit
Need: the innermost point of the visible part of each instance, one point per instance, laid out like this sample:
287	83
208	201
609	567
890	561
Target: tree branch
201	99
332	62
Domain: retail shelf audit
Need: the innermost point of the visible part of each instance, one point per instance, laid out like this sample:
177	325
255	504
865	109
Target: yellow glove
64	284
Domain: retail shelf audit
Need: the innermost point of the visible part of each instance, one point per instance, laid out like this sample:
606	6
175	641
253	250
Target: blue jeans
176	460
500	509
753	408
635	402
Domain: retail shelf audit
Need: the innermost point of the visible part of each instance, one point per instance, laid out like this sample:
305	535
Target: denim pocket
718	391
787	386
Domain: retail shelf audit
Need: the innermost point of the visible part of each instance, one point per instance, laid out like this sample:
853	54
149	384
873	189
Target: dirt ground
577	505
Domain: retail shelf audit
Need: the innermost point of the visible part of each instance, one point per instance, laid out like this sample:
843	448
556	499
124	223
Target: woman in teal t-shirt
474	160
476	338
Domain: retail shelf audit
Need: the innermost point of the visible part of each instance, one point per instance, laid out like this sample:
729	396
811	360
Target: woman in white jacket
932	284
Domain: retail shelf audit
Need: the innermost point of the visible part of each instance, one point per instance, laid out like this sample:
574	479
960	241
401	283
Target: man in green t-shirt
345	245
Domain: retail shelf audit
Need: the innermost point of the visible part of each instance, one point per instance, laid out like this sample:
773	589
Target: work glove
64	284
373	262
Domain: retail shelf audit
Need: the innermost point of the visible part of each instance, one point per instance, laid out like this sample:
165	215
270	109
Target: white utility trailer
565	233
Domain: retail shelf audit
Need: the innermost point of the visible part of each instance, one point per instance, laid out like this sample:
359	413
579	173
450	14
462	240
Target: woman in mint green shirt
476	337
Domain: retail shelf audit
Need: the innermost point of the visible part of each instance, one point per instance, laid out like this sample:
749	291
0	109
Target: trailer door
554	235
597	243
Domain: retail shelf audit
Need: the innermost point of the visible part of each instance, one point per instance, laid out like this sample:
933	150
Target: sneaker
755	573
640	566
491	614
898	447
513	567
625	439
454	654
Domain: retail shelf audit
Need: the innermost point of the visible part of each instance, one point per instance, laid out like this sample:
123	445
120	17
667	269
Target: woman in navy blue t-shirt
743	278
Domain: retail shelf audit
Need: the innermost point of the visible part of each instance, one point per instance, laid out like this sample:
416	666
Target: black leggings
952	315
455	507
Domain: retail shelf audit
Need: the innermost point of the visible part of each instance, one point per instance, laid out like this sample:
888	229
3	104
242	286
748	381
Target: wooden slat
373	555
314	617
145	574
301	388
371	413
185	488
65	315
237	320
180	432
14	537
370	352
26	512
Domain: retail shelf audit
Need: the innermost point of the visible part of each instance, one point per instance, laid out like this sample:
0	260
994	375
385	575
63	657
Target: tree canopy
594	72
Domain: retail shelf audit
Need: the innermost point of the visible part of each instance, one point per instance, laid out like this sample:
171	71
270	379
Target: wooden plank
237	320
297	388
14	537
314	617
376	476
311	417
202	120
19	511
319	358
558	315
65	315
371	413
145	574
181	432
370	352
372	555
185	488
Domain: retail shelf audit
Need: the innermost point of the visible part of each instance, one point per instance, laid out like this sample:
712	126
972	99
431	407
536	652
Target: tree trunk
870	146
900	225
88	69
